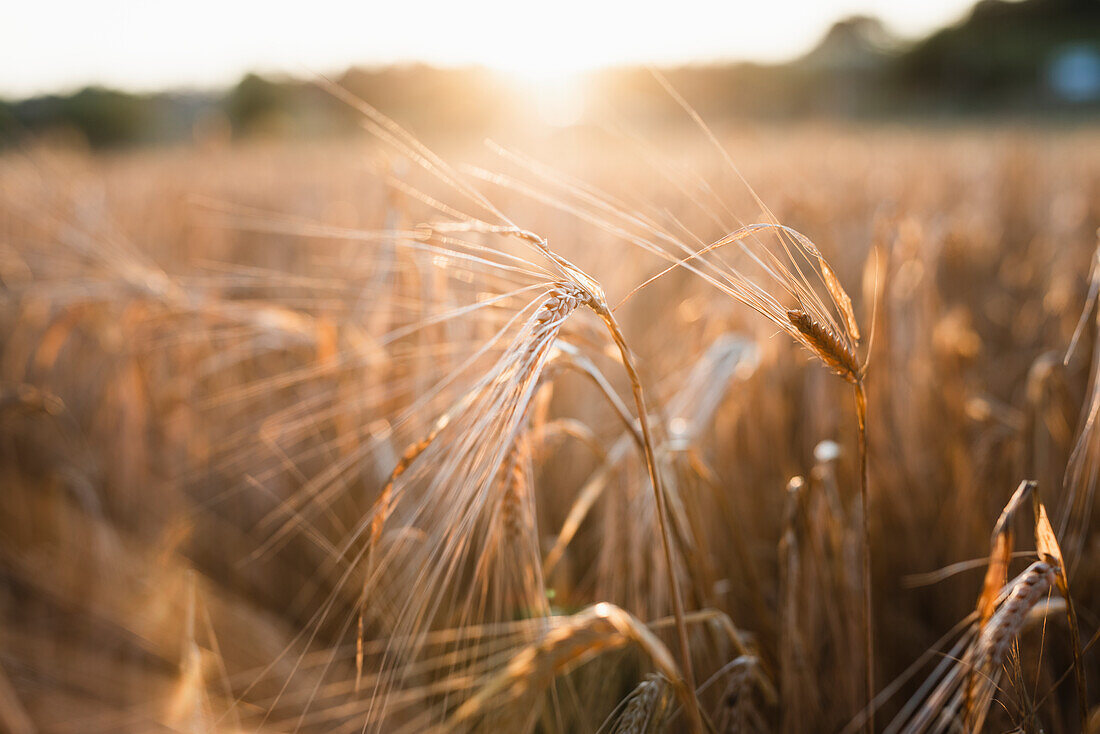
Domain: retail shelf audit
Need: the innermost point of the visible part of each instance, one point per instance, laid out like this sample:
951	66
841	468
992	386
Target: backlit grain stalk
584	289
837	352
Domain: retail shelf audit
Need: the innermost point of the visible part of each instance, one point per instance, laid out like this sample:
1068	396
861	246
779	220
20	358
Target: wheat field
760	429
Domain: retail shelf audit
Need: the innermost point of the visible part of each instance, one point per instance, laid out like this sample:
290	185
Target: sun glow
543	68
551	80
554	98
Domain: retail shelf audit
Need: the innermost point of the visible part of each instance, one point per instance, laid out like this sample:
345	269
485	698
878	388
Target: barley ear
826	344
645	708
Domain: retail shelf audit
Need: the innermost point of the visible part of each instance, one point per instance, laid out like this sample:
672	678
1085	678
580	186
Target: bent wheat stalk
588	293
561	300
577	289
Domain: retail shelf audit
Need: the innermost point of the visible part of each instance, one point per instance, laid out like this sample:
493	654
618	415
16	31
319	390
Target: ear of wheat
827	345
644	710
961	690
737	711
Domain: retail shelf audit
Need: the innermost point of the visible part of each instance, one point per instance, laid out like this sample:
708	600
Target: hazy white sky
46	45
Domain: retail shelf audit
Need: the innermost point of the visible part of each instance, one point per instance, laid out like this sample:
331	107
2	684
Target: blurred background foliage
1022	59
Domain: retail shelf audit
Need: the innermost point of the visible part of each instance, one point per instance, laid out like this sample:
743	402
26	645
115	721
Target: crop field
745	428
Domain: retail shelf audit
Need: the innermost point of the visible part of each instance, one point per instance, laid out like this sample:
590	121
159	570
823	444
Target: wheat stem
868	632
694	717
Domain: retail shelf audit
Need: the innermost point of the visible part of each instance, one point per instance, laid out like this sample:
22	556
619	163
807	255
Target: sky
51	46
